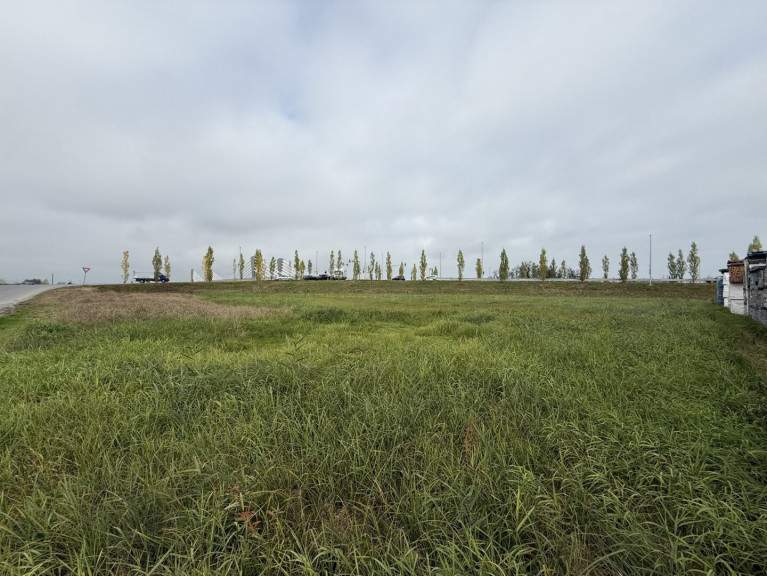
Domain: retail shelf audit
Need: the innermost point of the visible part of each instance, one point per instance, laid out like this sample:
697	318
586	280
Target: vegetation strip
382	428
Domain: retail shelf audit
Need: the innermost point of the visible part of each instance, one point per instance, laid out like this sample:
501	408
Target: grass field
382	428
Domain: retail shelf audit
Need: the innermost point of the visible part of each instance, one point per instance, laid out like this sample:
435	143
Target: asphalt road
13	294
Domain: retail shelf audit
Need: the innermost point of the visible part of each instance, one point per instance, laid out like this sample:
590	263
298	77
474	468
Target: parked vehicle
401	278
143	278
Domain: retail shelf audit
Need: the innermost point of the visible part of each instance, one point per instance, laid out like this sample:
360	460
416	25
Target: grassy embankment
379	428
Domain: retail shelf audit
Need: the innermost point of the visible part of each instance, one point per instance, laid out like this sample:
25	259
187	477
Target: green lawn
382	428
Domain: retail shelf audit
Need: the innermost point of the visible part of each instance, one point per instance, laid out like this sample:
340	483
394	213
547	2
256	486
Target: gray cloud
378	127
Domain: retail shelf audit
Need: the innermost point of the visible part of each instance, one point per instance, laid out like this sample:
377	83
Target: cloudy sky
381	126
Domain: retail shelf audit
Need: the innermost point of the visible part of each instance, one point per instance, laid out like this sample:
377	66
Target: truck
142	278
338	274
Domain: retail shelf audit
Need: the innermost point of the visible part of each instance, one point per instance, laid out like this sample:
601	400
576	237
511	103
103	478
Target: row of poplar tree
678	265
629	266
545	268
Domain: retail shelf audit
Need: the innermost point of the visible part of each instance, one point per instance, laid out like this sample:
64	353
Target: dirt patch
86	305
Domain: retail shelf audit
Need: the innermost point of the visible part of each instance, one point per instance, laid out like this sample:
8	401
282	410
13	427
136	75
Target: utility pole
650	259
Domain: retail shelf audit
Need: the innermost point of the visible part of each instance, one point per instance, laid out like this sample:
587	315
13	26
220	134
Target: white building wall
737	299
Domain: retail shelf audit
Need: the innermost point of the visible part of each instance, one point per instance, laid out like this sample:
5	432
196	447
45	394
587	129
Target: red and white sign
86	269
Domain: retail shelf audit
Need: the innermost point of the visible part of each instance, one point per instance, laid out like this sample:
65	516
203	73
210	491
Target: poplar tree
734	256
756	245
681	265
272	267
309	266
693	261
605	267
523	270
634	265
423	265
372	267
156	264
378	271
401	270
671	264
584	272
542	268
356	267
296	266
552	271
126	267
332	262
478	268
258	265
388	266
623	272
414	274
241	265
563	270
166	267
503	268
207	265
461	265
339	261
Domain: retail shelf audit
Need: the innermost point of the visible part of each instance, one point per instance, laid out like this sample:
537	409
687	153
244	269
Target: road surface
12	294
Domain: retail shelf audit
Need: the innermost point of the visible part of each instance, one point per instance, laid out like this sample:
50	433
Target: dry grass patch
86	305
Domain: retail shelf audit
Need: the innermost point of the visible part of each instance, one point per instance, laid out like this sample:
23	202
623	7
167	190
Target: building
735	293
755	278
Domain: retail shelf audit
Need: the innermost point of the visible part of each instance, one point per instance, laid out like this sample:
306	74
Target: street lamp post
650	259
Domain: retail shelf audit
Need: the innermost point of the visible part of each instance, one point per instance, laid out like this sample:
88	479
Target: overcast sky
382	126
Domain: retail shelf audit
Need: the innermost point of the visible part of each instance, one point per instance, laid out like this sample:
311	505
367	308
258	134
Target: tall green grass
392	432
